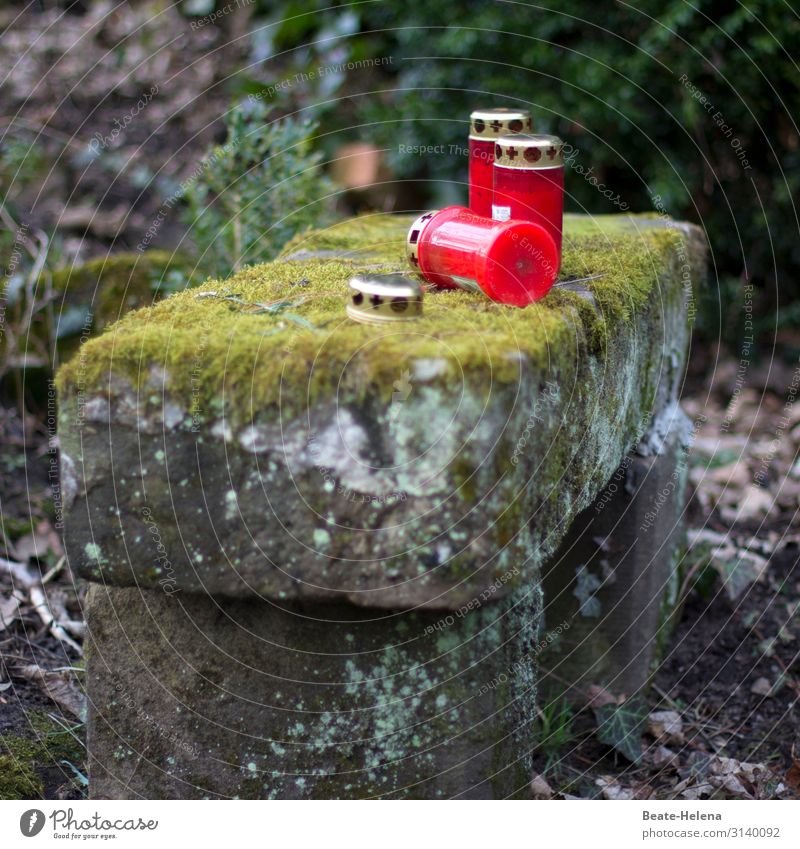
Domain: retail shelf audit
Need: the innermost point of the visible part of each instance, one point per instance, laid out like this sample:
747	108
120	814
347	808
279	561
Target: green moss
24	759
374	236
18	779
14	528
588	316
88	297
221	354
464	477
53	739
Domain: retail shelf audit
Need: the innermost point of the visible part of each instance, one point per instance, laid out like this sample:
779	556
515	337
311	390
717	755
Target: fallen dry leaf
37	545
9	609
666	726
720	777
700	536
761	687
612	789
754	503
792	777
597	696
664	758
540	788
712	446
737	778
735	474
738	570
57	686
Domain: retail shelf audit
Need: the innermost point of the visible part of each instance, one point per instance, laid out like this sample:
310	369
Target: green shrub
256	191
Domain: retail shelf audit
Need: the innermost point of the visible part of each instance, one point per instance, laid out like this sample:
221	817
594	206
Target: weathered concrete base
611	590
195	697
341	529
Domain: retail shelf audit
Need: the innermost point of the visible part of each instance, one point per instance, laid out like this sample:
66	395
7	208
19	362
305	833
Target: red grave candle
513	262
485	126
529	182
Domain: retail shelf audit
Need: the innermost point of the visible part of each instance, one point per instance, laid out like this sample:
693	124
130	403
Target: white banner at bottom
456	825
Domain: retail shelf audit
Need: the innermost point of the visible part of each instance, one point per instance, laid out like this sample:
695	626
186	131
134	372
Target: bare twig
69	730
58	629
51	573
19	573
33	585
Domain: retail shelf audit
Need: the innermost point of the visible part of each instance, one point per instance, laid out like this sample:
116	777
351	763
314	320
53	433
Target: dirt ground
729	678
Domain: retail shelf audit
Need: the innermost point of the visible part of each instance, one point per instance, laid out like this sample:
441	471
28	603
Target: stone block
198	697
611	589
281	507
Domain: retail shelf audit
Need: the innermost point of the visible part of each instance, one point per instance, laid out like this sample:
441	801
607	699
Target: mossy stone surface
213	445
193	697
89	296
252	361
18	779
109	287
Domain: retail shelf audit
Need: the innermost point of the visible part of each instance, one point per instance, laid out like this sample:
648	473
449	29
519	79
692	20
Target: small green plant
620	726
554	728
253	193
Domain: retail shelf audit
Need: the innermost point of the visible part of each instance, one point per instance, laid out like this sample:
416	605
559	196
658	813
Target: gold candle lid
380	298
529	151
493	123
412	239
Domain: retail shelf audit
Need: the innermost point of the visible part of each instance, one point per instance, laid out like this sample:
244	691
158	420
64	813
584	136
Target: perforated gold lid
493	123
529	151
380	298
412	239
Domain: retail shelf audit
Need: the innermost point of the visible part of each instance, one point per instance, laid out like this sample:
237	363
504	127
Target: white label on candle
501	213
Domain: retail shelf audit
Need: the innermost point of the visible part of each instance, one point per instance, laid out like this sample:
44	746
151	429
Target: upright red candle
529	182
485	126
513	262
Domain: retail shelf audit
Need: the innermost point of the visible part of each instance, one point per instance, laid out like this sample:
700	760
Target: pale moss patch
368	236
111	286
220	354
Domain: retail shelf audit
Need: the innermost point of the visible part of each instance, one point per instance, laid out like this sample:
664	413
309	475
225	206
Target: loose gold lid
412	239
529	151
493	123
380	298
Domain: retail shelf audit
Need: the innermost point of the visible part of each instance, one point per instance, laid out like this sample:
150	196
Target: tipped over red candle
512	262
